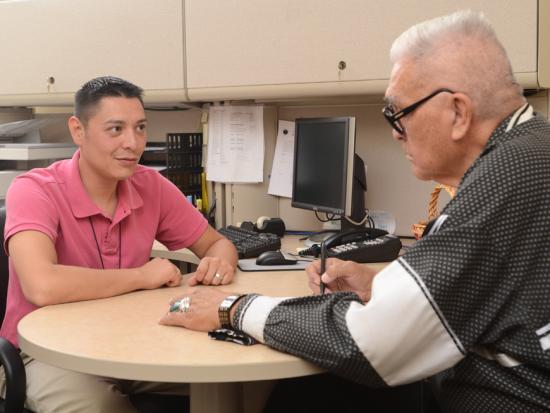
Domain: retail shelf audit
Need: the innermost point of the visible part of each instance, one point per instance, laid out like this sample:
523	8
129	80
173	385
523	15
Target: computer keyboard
250	244
380	249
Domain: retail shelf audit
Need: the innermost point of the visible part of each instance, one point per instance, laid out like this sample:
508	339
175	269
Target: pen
323	263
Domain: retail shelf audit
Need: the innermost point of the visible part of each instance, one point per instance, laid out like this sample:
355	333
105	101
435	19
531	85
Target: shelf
35	151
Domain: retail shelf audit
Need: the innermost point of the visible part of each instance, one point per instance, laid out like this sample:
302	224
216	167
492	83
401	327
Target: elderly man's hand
342	276
198	310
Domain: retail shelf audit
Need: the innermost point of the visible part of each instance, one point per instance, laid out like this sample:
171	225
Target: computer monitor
328	176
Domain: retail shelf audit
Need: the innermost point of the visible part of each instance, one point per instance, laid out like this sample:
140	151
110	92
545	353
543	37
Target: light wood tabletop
120	337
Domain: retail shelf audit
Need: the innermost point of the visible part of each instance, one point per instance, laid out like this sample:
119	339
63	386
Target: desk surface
121	337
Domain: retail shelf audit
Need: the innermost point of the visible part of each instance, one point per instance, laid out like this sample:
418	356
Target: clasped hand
210	271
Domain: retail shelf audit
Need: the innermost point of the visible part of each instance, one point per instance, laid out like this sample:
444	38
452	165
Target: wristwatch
225	308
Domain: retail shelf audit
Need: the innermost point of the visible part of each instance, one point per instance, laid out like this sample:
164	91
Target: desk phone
359	245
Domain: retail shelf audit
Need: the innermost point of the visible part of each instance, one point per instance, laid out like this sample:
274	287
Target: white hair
461	50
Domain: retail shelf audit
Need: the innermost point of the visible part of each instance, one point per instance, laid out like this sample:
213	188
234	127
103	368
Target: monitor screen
323	164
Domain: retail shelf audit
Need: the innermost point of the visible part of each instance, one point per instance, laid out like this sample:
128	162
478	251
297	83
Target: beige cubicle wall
391	185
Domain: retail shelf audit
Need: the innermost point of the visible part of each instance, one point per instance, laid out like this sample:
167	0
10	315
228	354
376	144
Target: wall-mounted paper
280	182
235	144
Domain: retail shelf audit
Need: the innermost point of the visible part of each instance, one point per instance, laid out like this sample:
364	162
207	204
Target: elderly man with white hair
467	306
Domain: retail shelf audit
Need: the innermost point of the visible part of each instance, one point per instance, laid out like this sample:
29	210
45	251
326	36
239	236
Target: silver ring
185	303
218	276
181	305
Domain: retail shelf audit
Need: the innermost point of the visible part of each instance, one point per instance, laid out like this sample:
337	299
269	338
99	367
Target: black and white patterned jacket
468	304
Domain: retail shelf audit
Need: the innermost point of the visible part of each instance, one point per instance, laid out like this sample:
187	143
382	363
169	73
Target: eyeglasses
393	118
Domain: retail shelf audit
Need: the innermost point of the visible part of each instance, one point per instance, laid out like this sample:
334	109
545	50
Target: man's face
113	139
427	132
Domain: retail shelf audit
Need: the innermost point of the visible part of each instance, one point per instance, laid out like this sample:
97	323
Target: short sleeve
180	224
29	208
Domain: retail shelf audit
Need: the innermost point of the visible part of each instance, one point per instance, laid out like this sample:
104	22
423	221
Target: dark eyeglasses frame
393	118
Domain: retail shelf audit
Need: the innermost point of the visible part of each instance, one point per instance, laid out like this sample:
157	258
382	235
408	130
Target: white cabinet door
51	47
293	48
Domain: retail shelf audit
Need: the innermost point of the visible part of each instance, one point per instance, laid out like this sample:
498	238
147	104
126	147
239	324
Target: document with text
235	144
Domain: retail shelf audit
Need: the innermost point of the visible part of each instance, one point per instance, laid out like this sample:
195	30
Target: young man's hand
213	271
160	272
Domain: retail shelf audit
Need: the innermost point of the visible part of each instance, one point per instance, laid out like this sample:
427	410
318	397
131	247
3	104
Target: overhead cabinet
250	49
50	48
203	50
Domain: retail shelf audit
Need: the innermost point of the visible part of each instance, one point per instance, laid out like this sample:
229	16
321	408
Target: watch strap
224	310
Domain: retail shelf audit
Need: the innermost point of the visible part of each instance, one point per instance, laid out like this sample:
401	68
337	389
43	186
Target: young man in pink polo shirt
83	229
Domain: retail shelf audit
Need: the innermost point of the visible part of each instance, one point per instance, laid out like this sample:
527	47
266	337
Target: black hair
91	93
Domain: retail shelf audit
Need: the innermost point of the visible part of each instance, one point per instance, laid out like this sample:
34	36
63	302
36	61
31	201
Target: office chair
16	379
9	355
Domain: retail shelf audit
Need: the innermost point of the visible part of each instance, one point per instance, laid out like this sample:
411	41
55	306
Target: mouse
274	258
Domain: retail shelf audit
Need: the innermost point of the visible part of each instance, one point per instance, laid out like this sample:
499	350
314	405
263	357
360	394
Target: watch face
225	307
229	300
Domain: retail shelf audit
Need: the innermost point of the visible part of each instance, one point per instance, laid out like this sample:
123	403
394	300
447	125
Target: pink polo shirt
53	200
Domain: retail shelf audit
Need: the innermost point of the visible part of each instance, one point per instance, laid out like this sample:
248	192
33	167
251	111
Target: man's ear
463	110
77	130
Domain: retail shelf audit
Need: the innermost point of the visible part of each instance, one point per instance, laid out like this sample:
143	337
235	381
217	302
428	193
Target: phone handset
360	234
